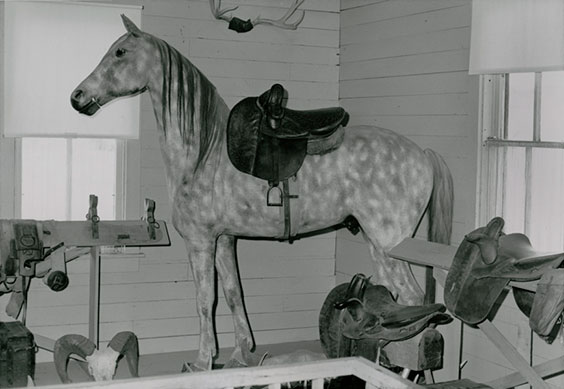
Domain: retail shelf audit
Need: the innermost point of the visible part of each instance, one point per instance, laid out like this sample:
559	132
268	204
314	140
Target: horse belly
376	175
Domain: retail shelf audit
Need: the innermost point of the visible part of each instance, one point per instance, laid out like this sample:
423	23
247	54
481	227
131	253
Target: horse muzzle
82	105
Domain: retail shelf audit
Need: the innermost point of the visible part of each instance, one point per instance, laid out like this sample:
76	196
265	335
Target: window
58	175
61	156
523	155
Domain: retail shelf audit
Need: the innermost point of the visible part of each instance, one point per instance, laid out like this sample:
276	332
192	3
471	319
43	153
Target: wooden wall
404	66
151	292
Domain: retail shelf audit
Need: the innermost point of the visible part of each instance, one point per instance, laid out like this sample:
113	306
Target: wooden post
94	300
430	286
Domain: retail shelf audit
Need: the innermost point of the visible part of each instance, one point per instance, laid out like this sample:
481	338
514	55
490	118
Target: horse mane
194	98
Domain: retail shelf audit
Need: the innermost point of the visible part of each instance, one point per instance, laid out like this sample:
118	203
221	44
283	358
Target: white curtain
49	48
516	36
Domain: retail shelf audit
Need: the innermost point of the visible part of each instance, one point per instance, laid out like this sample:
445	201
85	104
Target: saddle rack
41	249
439	257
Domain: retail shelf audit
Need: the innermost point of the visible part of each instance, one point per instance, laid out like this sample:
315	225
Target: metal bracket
149	217
92	215
27	248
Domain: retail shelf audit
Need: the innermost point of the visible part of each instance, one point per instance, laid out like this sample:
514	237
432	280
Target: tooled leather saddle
484	264
369	311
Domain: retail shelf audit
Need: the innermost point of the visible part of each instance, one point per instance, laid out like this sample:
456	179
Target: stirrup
278	195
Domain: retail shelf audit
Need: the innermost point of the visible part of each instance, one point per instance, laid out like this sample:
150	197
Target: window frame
127	178
492	151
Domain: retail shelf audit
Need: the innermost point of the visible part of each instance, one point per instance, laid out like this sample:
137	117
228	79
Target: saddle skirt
545	307
269	141
483	265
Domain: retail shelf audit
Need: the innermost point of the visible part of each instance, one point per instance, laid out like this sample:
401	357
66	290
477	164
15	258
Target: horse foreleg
201	258
226	265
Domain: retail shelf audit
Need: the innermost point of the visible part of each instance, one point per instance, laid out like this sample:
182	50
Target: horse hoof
234	363
190	368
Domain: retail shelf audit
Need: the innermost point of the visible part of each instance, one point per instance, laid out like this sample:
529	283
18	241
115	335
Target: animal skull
102	363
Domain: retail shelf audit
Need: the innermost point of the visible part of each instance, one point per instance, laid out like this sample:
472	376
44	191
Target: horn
130	26
127	344
67	345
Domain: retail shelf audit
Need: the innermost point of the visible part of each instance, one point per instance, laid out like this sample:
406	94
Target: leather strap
290	212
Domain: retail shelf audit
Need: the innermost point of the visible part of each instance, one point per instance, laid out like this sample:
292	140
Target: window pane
547	207
514	190
552	107
58	175
93	172
44	178
521	106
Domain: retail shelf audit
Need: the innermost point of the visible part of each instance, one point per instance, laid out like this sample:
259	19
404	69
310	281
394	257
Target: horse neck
190	114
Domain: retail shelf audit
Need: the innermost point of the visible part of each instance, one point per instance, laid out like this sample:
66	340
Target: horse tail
441	202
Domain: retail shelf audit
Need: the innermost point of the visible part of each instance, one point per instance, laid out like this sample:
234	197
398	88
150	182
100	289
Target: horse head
121	72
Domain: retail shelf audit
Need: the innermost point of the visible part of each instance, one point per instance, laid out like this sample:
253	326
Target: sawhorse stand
55	238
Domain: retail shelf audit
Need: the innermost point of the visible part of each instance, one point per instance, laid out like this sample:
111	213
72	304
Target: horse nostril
77	95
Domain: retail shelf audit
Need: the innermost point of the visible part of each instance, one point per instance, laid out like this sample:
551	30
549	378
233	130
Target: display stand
63	241
440	257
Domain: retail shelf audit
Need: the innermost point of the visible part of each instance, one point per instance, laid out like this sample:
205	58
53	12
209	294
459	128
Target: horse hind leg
394	274
228	272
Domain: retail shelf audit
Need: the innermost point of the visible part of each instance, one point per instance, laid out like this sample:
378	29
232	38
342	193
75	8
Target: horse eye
120	52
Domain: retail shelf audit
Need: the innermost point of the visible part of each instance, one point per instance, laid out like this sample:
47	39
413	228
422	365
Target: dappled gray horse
380	178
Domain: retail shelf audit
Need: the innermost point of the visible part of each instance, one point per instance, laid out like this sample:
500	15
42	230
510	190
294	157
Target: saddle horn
355	291
487	239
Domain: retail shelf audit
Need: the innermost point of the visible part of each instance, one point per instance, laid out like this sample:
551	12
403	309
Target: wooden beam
545	369
512	354
424	253
439	257
110	233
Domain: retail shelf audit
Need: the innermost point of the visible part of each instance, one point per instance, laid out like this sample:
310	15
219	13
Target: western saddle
269	141
370	312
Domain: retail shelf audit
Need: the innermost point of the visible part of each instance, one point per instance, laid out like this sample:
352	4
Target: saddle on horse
487	260
370	312
270	142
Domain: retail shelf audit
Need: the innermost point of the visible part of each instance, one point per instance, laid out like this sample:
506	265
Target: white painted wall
404	66
152	293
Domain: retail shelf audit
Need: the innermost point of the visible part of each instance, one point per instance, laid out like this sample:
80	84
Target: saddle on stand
484	264
370	311
270	142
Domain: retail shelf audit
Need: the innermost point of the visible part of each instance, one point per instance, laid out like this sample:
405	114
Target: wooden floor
161	364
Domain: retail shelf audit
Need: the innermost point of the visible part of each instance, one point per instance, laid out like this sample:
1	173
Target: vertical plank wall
151	292
404	66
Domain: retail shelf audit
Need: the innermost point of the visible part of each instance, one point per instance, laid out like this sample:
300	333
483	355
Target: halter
93	101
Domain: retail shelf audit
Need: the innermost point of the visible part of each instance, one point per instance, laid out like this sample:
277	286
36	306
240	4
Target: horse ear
130	26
